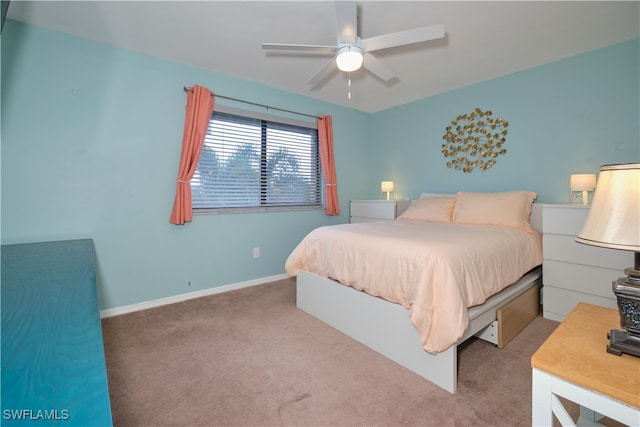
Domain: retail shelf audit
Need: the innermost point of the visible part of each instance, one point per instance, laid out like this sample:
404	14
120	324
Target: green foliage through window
255	163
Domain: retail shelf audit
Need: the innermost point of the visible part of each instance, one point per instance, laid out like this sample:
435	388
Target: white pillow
508	209
434	209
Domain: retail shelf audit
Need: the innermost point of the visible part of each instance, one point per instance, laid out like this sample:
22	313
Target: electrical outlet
256	252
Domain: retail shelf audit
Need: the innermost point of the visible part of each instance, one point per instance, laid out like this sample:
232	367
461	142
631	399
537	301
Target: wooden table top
576	352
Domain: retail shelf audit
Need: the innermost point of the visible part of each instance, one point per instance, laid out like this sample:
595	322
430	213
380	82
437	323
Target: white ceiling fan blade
300	48
347	16
324	72
377	68
402	38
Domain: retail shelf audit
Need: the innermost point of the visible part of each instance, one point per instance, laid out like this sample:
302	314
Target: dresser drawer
373	209
565	248
376	210
580	278
557	302
564	219
574	272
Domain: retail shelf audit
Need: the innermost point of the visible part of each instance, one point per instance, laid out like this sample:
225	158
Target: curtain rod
187	89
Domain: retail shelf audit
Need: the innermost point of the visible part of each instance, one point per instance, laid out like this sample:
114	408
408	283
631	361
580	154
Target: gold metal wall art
474	140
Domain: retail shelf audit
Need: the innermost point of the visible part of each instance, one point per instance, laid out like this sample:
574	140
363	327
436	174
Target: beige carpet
251	358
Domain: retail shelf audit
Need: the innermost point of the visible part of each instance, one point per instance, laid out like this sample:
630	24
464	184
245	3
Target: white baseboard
110	312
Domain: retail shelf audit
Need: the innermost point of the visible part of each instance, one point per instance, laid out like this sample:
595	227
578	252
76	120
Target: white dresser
367	210
573	272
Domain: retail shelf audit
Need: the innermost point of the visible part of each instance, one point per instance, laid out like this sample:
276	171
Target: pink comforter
436	270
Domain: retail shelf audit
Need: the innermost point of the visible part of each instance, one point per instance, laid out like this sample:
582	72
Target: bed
414	288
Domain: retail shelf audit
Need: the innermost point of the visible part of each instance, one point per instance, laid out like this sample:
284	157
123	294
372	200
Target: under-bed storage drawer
515	316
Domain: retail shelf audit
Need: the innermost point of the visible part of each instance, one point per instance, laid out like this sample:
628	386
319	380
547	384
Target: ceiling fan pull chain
349	86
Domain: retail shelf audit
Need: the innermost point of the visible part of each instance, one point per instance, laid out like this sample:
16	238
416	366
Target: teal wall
570	116
91	140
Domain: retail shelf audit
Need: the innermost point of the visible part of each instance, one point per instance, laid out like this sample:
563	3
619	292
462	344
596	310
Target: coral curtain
325	142
199	108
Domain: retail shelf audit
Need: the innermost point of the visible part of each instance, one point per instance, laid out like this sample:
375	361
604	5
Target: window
254	163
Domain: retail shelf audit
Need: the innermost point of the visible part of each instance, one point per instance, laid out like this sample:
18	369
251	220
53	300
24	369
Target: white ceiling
483	40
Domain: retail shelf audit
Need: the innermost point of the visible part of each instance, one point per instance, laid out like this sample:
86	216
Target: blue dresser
53	365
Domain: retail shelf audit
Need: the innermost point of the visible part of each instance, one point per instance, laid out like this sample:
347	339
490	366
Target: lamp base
623	342
627	291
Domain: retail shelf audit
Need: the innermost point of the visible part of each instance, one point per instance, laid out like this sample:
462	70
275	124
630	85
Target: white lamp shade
349	58
386	186
583	182
614	216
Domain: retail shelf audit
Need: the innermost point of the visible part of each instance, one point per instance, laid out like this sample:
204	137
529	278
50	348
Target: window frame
270	208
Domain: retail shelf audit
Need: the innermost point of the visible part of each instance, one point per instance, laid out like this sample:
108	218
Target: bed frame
387	328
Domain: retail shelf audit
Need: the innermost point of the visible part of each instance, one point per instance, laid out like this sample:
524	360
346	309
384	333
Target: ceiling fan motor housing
349	58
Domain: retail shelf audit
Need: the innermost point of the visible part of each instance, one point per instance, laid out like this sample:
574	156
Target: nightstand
573	363
367	210
573	272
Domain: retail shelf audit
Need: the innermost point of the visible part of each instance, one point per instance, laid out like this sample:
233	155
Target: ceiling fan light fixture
349	58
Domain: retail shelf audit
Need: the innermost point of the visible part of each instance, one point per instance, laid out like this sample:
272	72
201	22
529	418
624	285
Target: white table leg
541	412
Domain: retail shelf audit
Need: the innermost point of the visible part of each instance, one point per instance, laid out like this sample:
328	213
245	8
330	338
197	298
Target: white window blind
250	162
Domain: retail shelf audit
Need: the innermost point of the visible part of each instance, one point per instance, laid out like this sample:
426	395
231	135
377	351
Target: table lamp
582	183
614	222
386	187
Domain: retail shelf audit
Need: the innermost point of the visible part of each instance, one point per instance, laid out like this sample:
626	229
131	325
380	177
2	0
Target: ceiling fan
352	52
